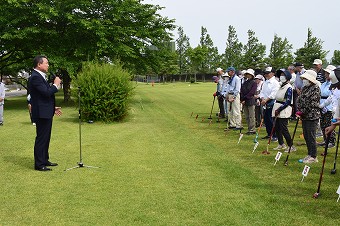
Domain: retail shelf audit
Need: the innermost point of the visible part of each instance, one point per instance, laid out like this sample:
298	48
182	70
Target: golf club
290	147
258	131
212	107
333	171
317	194
266	152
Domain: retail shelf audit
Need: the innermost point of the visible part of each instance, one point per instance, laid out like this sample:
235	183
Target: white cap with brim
219	69
310	75
225	75
317	61
259	77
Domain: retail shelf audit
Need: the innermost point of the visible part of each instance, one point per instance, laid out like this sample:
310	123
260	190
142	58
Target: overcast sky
286	18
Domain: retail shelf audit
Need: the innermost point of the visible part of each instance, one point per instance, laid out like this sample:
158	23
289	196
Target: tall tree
280	55
233	51
311	50
336	58
254	52
70	32
183	46
212	57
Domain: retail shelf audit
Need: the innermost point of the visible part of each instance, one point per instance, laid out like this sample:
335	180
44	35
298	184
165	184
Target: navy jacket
42	96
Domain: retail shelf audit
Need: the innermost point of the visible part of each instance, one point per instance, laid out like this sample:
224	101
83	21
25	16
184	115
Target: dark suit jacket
42	96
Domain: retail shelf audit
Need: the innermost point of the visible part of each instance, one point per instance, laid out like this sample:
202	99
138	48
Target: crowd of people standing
272	98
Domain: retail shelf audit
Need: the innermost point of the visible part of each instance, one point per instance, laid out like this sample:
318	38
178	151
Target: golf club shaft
212	107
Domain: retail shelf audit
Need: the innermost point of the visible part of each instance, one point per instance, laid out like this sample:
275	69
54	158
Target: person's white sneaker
280	147
311	160
293	148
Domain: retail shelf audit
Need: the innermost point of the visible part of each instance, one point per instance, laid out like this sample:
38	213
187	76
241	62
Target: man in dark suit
43	110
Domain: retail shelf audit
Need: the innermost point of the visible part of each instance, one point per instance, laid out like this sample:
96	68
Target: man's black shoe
266	137
51	164
232	127
251	132
44	168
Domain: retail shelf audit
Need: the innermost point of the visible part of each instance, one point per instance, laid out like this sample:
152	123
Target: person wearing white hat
328	94
2	101
225	88
335	78
258	108
309	111
319	70
248	90
267	95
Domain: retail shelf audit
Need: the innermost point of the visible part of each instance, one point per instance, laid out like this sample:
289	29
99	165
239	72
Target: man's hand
263	102
1	99
57	111
277	112
57	81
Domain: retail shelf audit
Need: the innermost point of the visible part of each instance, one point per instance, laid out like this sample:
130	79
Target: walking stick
333	171
258	131
290	147
317	194
266	152
212	107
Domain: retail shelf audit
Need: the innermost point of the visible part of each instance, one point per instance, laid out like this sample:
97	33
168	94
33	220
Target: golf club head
333	171
286	163
316	195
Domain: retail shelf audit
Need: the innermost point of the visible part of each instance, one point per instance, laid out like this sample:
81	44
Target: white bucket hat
334	80
330	68
250	71
310	75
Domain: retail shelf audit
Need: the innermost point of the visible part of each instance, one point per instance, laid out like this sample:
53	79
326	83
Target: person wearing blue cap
233	99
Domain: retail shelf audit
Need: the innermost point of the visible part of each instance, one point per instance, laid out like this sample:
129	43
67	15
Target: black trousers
42	141
281	129
268	120
221	106
309	129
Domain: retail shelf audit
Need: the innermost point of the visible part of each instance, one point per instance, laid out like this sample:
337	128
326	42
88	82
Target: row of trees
205	57
71	32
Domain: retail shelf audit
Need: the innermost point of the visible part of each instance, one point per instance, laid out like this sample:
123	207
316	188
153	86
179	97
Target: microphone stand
80	163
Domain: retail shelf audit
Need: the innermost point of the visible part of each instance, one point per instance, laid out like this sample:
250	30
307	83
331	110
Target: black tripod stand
80	163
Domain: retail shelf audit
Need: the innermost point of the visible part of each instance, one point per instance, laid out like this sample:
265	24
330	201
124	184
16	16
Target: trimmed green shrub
106	91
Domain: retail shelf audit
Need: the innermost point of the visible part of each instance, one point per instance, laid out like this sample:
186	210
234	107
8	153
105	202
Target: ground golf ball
300	161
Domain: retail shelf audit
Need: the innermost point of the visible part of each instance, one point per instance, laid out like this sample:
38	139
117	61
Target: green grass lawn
160	166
